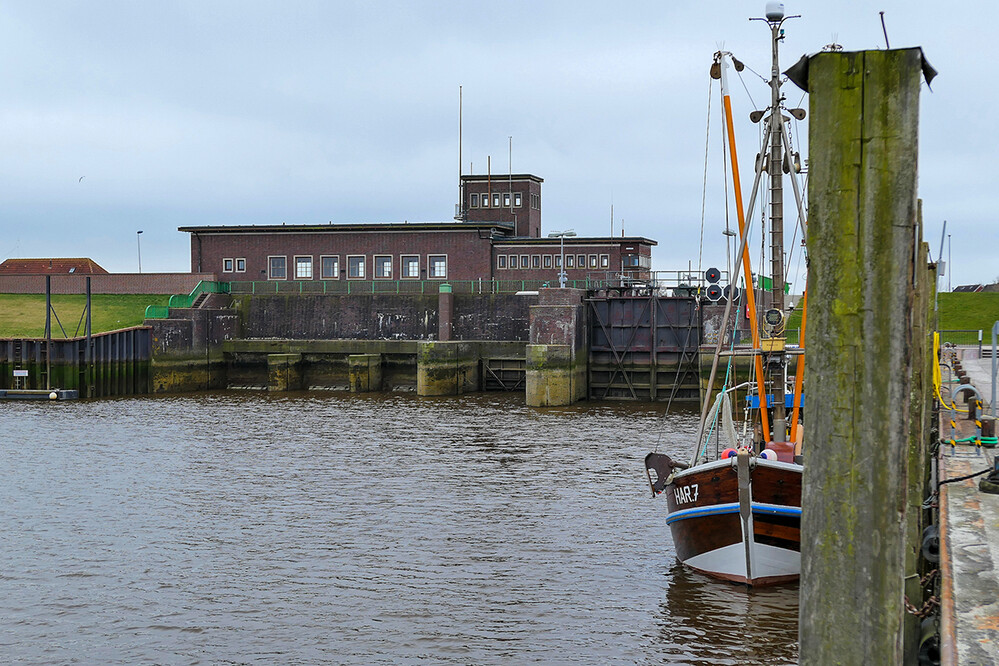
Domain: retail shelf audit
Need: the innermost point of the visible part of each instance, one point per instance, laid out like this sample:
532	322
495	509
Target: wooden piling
862	215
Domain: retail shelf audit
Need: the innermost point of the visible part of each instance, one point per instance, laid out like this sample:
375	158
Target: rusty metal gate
644	348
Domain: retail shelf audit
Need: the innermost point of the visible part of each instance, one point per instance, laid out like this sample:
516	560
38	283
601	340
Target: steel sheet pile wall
119	363
644	348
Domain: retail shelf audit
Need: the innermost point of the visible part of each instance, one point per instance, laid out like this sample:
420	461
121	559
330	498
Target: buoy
769	454
729	453
53	396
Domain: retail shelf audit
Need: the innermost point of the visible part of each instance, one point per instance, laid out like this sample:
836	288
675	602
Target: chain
928	607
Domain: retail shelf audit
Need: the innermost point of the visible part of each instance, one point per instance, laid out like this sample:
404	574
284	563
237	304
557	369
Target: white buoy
53	396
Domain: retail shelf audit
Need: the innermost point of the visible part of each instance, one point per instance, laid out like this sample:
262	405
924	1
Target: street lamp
138	249
561	236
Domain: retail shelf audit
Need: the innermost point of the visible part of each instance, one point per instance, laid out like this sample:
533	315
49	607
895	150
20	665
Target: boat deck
969	539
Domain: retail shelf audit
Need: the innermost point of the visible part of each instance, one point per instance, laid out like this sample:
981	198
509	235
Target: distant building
496	235
969	288
52	266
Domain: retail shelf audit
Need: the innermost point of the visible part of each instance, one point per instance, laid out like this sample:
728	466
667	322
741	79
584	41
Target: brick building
496	235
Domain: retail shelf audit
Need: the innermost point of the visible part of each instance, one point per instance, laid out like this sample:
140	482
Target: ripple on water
355	529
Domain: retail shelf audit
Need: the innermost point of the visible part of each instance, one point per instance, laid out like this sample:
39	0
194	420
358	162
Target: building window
330	267
536	261
604	261
474	201
485	201
241	265
277	268
558	261
496	200
524	261
355	267
410	266
548	261
303	268
513	261
506	200
383	266
501	261
517	200
570	261
580	261
593	261
437	266
227	265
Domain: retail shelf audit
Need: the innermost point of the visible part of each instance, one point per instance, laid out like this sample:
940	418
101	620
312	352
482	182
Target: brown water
247	528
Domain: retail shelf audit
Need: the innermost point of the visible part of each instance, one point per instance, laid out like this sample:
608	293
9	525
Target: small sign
20	373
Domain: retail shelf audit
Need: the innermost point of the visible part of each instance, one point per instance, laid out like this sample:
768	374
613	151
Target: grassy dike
23	315
956	312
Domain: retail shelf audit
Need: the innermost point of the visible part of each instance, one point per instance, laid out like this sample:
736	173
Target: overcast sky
121	116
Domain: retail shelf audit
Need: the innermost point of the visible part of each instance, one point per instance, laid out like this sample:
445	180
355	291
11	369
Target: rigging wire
704	188
676	379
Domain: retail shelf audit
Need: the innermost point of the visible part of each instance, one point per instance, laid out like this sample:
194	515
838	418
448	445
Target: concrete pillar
862	216
447	368
558	353
365	372
284	372
445	313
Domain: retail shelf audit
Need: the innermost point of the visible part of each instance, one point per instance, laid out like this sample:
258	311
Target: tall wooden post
862	217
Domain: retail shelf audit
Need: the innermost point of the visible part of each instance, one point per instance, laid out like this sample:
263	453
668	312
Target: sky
126	116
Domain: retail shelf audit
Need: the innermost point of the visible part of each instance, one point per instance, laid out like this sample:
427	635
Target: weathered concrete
552	378
969	540
382	316
862	246
557	355
284	372
447	368
365	372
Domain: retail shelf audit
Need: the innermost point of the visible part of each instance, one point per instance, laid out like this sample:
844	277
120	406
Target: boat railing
708	428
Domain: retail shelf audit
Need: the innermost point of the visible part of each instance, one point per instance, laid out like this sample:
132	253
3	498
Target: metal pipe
48	332
995	333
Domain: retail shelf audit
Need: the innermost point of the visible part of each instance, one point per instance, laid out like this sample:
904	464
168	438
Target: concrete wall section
382	317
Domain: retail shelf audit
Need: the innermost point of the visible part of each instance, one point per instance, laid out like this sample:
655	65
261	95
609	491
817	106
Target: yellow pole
799	372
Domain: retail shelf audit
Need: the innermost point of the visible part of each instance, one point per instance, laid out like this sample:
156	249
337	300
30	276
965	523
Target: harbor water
355	529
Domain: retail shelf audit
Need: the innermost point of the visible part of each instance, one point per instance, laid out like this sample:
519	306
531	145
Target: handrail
203	287
157	312
404	287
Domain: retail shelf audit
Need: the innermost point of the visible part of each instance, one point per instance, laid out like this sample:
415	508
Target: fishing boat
735	512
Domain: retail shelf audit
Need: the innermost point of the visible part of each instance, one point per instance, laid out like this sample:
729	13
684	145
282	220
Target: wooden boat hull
751	536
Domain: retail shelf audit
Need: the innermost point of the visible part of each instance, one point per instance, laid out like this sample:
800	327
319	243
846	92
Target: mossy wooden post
862	215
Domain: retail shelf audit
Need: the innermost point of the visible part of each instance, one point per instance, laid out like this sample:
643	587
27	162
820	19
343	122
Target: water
385	529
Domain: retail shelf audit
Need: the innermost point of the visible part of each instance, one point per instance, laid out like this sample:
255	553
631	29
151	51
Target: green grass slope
23	315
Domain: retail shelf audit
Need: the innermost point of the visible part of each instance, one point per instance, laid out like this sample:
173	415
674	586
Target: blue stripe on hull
719	509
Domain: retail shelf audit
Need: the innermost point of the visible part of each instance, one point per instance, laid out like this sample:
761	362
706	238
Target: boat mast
775	164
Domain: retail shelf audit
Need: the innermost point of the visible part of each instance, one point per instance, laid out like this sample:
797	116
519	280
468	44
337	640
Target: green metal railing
187	300
203	287
157	311
414	287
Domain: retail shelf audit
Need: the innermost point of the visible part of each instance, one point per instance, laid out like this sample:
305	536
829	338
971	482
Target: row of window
552	261
356	267
476	200
236	265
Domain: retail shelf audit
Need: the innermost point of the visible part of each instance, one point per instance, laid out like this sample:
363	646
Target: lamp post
561	236
138	248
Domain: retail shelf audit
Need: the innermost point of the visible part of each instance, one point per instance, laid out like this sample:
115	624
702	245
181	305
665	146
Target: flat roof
499	177
576	240
320	228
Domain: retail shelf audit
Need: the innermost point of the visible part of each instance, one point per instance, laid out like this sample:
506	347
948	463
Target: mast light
775	11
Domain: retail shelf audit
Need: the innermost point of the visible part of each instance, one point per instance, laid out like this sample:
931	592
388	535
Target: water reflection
334	528
703	622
